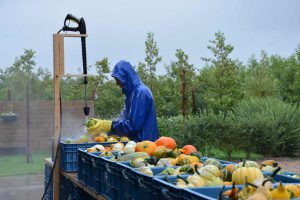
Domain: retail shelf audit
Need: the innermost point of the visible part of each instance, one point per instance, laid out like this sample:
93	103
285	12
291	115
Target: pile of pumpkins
187	161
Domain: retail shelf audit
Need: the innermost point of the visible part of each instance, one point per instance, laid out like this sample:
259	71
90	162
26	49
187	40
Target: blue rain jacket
138	120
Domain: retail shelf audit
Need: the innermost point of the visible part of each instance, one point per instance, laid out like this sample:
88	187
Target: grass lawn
236	155
13	165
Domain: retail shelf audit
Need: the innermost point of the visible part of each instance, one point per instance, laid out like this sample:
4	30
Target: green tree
224	90
259	80
147	70
287	71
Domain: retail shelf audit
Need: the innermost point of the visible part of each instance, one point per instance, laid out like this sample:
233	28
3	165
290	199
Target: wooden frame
59	71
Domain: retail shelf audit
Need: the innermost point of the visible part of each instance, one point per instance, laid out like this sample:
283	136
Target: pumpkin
164	153
106	153
246	192
112	139
280	193
164	162
232	194
124	139
130	147
209	171
293	188
213	161
230	168
146	170
96	148
268	168
132	156
197	154
166	141
139	162
196	180
271	163
146	146
252	173
108	149
100	139
188	149
183	159
248	163
196	165
118	147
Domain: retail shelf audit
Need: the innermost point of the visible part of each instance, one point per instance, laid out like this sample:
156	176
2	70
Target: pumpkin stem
275	172
244	162
179	177
196	169
145	163
251	184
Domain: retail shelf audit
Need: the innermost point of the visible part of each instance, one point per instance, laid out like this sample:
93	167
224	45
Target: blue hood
124	72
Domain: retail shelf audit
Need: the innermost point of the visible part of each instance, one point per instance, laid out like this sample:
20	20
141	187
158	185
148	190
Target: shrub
268	126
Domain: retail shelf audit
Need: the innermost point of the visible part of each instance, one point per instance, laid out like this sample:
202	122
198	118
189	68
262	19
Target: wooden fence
41	124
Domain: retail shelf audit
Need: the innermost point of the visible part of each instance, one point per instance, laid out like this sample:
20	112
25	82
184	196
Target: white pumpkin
164	162
130	147
99	147
118	147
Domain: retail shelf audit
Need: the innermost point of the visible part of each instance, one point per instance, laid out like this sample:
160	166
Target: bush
268	126
263	125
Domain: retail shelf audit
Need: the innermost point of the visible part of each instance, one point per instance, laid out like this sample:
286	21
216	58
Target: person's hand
95	126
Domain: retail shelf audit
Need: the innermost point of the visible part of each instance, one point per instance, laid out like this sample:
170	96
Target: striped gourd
248	163
252	174
213	161
209	170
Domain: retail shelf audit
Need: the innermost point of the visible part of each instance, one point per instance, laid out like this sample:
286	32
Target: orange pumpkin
146	146
166	141
188	149
160	147
99	139
230	168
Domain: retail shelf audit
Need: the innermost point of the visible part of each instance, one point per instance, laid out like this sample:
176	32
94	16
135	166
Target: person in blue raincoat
138	120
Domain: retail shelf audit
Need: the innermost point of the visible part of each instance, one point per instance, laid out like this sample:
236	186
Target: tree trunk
28	146
194	109
183	92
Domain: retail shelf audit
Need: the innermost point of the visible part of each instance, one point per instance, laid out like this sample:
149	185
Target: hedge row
262	125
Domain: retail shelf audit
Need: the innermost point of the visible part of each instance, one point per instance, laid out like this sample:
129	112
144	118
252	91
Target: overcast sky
117	28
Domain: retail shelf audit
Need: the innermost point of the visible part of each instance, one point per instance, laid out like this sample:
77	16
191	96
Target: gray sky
117	29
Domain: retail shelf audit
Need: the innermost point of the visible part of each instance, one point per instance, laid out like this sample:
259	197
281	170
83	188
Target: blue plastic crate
104	179
85	168
163	190
209	193
68	155
144	187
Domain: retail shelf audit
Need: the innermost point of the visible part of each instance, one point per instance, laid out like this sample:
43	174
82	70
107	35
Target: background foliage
223	104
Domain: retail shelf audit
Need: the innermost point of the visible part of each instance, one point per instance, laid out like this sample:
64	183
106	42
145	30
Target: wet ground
29	187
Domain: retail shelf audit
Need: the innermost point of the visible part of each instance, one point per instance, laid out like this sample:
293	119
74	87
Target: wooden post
59	71
57	47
